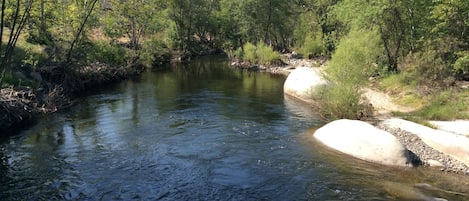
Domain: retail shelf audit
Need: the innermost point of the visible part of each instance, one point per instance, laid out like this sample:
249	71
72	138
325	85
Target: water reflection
200	131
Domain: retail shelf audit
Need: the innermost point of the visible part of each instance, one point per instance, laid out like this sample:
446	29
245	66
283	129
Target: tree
133	19
387	16
15	23
89	9
194	21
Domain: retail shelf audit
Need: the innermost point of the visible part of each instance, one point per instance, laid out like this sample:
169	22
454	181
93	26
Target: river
198	131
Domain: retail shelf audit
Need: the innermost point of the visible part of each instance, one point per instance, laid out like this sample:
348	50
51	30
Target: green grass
401	87
437	104
446	105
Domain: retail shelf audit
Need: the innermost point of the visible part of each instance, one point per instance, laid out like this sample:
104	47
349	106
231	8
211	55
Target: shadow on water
199	131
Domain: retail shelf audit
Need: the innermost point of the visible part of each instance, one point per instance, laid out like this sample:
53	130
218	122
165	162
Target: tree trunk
80	30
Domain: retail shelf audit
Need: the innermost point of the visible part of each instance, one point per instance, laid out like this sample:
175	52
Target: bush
238	53
461	66
435	65
265	54
350	67
312	46
154	52
9	80
104	52
342	101
355	58
249	53
427	68
260	54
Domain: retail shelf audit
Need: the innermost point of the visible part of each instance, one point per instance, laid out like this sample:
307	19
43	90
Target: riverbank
290	63
56	88
384	107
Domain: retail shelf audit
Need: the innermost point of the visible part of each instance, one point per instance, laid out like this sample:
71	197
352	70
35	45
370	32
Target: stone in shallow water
303	82
363	141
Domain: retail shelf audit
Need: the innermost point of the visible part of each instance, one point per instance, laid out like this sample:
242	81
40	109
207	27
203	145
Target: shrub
461	66
355	57
238	53
260	54
342	101
312	46
154	52
350	67
9	80
435	65
265	54
105	52
249	53
427	68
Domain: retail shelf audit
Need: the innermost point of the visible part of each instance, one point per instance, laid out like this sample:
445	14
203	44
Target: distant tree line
427	37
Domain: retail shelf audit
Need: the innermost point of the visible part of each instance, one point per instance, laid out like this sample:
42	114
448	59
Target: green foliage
249	53
265	54
154	52
445	106
260	54
461	66
238	53
342	101
312	46
105	52
432	66
10	80
355	58
350	67
451	18
133	19
308	37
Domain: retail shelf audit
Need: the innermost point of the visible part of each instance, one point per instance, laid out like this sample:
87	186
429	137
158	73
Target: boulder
303	82
363	141
449	143
460	127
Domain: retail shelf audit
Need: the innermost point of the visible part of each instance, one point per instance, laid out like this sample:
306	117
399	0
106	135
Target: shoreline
21	106
421	153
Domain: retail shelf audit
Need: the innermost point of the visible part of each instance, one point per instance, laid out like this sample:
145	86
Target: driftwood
18	104
76	79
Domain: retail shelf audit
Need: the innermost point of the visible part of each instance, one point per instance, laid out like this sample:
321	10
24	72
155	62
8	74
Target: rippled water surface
200	131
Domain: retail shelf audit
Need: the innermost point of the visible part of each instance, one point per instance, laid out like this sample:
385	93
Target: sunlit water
200	131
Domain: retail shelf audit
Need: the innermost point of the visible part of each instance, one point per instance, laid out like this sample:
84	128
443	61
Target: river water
199	131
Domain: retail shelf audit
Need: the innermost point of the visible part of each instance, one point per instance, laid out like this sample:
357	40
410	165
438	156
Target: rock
445	142
460	127
364	141
303	82
435	163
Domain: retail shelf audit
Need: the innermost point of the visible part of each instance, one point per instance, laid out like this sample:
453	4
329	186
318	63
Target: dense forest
427	41
431	35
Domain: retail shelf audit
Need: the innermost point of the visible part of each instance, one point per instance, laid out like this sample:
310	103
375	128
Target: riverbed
198	131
